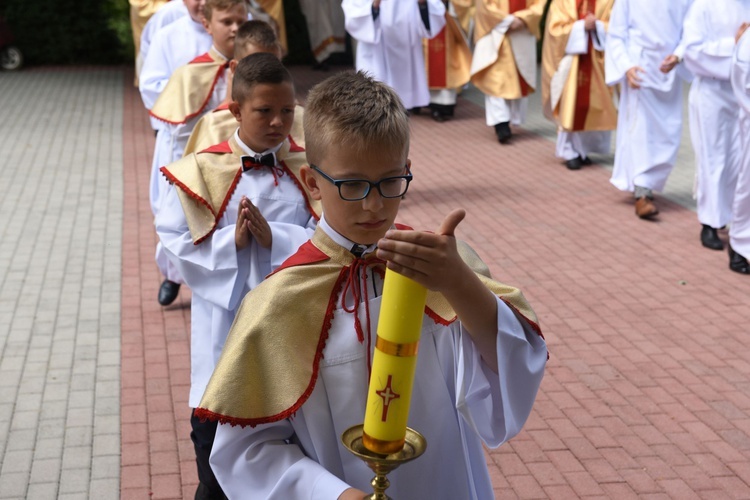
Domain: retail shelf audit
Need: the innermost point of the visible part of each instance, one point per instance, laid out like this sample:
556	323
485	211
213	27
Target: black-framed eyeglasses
359	189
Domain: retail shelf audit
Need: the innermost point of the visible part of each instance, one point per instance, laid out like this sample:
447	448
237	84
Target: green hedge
71	32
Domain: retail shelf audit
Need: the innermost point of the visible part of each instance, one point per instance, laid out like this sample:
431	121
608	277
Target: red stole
437	69
585	68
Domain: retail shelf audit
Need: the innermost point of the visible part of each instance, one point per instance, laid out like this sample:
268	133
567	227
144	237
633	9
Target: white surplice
457	404
572	145
325	26
389	48
739	231
218	275
649	126
708	37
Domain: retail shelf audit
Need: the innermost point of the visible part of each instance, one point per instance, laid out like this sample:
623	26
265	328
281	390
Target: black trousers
203	435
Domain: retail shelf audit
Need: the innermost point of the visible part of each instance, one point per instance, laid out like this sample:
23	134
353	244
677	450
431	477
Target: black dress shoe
737	262
586	161
710	238
502	130
437	116
168	291
574	164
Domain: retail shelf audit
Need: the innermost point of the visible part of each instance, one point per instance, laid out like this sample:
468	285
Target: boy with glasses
294	372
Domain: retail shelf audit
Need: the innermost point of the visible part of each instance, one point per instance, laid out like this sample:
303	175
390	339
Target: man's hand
589	22
741	31
516	25
634	78
669	63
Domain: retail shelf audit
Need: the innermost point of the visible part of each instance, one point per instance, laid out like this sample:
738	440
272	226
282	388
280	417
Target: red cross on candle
387	395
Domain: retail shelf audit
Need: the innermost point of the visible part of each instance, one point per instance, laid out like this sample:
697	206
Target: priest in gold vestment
574	92
504	63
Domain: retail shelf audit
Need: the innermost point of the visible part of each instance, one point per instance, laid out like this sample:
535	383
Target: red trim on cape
306	254
301	190
203	413
221	148
219	73
516	5
221	107
203	58
171	178
294	147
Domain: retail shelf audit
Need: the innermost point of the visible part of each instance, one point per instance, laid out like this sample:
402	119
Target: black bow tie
358	250
258	161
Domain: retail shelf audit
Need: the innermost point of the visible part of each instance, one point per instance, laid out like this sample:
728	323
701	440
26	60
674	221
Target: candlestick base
382	465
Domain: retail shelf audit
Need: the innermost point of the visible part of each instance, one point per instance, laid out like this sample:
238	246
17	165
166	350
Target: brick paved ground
646	392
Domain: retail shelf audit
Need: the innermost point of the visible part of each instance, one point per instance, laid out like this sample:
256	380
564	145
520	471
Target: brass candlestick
381	465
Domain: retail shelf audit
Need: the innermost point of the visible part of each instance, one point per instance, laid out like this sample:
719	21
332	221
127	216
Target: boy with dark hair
294	372
210	222
192	90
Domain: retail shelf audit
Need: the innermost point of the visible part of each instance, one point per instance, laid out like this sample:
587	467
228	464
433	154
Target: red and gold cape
207	180
269	365
189	88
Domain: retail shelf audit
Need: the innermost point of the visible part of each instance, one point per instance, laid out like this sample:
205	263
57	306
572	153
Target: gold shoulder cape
189	88
269	365
207	180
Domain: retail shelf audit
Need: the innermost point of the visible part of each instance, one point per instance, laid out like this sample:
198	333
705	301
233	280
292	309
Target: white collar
249	151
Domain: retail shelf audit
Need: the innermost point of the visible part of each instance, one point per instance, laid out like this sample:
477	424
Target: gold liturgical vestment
502	77
269	365
140	12
275	9
447	56
205	182
189	88
219	125
574	92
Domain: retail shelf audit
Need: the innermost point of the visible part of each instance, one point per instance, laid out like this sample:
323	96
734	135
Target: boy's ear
206	24
310	181
233	65
234	108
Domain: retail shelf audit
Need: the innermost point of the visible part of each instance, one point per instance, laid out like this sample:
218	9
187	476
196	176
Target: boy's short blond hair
211	5
255	33
355	111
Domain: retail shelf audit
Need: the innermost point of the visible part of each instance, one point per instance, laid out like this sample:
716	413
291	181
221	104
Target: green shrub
71	32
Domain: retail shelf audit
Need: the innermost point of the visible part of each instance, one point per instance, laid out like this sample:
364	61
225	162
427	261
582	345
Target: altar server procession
281	218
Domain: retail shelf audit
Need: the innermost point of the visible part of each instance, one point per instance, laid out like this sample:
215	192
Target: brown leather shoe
645	208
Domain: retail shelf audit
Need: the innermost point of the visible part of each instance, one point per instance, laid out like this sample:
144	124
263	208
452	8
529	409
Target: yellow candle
393	364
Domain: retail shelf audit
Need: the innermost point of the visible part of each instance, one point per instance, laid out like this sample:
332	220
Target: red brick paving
646	392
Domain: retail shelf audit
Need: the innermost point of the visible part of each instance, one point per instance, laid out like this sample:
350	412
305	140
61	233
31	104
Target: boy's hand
259	227
251	224
429	259
352	494
634	79
669	63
